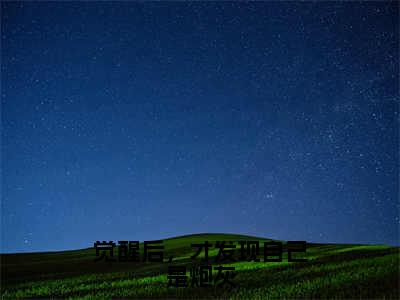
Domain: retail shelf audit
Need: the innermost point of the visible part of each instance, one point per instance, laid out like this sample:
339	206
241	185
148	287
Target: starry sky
141	121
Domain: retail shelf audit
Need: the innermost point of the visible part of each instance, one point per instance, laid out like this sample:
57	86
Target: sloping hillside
333	271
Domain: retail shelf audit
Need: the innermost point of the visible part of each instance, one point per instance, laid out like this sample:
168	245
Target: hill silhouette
332	270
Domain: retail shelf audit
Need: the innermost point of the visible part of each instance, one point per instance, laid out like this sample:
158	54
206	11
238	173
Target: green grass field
332	271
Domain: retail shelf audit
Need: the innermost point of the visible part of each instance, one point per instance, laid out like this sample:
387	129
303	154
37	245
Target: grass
332	271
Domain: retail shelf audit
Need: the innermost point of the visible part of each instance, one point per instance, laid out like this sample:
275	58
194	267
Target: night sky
141	121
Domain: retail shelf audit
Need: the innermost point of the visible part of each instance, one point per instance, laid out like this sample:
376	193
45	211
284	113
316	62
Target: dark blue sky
139	121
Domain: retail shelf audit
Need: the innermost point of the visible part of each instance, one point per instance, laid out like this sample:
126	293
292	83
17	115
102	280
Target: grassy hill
332	271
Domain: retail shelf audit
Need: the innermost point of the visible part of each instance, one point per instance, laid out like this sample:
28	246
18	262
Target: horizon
199	234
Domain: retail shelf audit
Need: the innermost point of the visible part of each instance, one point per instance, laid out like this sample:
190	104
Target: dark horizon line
199	234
